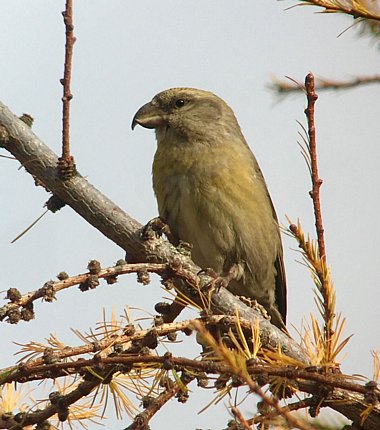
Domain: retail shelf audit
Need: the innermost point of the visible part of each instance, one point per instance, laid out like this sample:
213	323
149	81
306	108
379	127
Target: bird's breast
213	199
184	197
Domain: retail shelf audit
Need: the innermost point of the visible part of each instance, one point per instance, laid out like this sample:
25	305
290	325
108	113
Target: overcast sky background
126	52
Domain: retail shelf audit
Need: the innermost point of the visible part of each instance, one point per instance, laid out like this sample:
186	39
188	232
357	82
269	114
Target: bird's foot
254	304
218	281
157	227
184	248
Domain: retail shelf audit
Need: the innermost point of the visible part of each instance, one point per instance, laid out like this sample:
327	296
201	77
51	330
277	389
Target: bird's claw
208	271
217	282
254	304
156	227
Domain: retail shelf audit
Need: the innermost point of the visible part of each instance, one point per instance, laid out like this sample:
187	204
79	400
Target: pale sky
126	52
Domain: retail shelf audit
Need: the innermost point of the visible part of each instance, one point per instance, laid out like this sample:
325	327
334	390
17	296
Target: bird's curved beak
149	116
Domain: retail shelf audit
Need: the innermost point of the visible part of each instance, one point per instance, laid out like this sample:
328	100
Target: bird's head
188	112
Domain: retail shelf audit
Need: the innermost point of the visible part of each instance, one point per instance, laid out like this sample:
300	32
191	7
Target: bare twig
316	180
273	402
325	286
287	86
301	404
141	420
315	256
236	411
66	162
85	280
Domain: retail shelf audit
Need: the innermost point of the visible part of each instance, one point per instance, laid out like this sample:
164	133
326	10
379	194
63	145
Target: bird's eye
179	103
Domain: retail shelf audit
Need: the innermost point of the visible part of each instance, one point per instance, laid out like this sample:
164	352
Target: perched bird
212	194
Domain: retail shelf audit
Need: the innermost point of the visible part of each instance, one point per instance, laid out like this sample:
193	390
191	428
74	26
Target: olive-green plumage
212	194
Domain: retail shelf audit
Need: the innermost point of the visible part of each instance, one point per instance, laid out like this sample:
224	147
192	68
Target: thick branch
41	162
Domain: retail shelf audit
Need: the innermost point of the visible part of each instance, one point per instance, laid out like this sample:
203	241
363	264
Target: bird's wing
280	282
281	285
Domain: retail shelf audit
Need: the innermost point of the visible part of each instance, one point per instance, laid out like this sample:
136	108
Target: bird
212	194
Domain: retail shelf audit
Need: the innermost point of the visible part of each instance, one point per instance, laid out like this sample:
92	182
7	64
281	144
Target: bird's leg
158	227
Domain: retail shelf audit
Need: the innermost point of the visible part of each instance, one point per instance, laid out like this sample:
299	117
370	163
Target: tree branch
315	179
66	161
283	87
